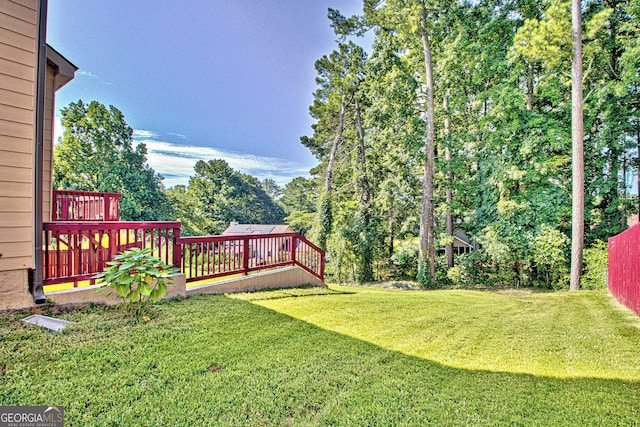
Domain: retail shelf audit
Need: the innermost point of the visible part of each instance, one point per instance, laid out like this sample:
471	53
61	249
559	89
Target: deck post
292	248
245	256
177	248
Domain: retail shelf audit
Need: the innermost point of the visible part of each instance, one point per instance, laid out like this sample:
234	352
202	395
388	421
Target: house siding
18	46
18	57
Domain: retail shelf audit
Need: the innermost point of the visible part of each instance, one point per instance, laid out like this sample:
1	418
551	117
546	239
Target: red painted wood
71	205
74	251
77	250
624	268
205	257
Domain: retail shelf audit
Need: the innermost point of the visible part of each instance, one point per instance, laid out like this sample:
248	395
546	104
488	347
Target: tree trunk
427	249
449	195
577	130
391	235
366	188
326	209
365	202
530	87
334	147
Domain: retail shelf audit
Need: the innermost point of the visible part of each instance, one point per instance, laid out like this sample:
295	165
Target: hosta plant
137	276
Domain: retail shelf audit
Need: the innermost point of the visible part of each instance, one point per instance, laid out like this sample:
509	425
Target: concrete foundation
14	292
288	277
88	294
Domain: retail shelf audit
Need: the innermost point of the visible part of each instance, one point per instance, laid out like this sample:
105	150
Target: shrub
405	262
479	269
137	276
439	279
455	275
596	262
549	251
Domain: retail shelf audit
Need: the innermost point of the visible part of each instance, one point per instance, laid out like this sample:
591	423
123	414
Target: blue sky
202	79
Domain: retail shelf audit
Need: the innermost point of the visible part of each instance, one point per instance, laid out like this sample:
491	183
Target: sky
201	79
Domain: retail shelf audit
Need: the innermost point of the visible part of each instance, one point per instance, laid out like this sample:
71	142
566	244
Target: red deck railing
76	251
71	205
207	257
624	268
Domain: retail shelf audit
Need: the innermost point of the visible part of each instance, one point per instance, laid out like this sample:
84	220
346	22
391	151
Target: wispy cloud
89	75
140	133
176	161
178	135
84	73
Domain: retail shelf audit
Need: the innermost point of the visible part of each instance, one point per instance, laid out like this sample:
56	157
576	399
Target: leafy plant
596	260
137	276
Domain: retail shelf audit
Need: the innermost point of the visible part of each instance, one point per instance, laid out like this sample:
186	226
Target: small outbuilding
462	244
259	248
236	229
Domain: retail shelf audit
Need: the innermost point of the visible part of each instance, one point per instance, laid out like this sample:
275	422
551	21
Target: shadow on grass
379	386
297	292
213	360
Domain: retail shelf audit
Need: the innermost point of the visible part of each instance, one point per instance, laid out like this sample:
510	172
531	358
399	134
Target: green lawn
344	356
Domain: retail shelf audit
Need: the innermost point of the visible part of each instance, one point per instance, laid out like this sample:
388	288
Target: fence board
624	268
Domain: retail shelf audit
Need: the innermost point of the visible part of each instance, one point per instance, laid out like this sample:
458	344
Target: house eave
65	69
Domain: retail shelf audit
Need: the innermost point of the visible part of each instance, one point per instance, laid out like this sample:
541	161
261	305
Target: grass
343	356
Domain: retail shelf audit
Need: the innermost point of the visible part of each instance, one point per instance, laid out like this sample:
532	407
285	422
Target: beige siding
18	33
15	137
18	41
15	69
15	190
7	236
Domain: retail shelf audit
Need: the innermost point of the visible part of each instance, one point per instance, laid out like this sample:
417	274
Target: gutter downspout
41	81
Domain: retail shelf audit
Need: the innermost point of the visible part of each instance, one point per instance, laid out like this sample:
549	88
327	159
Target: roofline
459	239
64	67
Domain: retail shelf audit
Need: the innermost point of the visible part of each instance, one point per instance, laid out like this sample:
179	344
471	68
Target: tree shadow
297	292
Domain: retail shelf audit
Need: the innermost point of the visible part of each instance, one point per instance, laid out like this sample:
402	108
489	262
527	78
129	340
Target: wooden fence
207	257
624	268
76	251
70	205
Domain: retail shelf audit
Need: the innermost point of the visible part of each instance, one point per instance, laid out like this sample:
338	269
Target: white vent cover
47	322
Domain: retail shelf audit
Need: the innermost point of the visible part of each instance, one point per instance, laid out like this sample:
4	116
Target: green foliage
299	203
549	252
298	195
137	277
405	261
302	222
596	261
96	153
363	239
439	280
